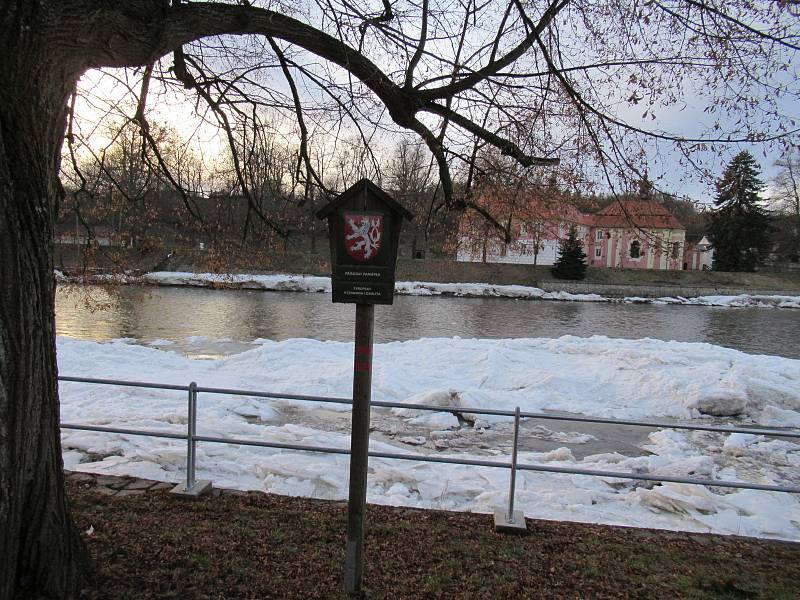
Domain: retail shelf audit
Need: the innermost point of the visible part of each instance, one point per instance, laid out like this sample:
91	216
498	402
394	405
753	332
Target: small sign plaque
362	272
364	224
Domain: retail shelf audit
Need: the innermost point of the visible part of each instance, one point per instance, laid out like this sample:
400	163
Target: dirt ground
146	544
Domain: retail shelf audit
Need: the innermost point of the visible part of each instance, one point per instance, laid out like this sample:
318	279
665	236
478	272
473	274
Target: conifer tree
571	262
739	228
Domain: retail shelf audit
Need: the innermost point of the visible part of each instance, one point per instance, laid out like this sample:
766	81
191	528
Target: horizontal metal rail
660	478
601	420
276	395
141	384
500	465
458	409
442	459
149	433
193	437
665	425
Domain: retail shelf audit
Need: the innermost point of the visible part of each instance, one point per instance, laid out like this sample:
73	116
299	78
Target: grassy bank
254	545
442	271
448	271
762	280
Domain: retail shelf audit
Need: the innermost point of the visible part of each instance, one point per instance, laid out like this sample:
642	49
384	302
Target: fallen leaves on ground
255	545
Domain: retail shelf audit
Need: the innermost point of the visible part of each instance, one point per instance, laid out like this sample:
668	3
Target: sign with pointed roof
364	225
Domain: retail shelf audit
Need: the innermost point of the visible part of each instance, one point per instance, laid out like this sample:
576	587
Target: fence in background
191	437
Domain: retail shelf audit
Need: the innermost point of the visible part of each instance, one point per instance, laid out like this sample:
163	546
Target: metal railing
192	438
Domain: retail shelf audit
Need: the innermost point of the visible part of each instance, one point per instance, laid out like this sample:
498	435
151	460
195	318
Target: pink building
635	234
628	234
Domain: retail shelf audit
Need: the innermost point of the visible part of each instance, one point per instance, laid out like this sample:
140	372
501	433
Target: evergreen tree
739	228
571	262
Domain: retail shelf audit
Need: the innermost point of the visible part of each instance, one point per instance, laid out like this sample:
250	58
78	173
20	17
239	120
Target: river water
237	317
205	323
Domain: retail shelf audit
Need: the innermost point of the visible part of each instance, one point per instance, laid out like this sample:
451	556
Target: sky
666	167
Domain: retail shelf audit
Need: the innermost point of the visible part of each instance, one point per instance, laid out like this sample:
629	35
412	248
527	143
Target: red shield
363	235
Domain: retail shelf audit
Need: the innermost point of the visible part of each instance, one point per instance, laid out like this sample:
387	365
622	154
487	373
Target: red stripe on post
362	366
363	350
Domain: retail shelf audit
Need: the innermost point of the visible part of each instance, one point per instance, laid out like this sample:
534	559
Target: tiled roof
645	214
623	214
531	207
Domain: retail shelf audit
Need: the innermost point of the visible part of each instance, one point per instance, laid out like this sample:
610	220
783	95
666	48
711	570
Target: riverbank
321	284
450	271
146	544
612	283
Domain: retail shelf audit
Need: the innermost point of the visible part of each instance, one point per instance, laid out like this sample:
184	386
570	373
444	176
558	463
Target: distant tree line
165	196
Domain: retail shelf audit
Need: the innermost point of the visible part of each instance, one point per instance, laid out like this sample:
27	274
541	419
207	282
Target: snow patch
598	376
316	284
720	400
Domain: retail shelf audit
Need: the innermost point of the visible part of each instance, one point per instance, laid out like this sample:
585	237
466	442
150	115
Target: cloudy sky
671	170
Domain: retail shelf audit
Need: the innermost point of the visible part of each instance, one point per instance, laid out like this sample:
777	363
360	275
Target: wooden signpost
364	226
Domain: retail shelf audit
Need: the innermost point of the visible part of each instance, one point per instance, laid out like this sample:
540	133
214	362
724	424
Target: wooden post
364	234
359	449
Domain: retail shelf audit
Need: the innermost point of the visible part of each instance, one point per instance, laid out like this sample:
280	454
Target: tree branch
299	113
423	35
494	66
507	147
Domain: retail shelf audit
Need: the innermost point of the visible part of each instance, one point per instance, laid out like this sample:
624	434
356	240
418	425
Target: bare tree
787	185
119	189
546	83
786	203
412	177
510	202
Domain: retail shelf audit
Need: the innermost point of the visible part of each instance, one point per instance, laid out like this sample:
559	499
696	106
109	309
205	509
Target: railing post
511	521
191	429
512	485
192	488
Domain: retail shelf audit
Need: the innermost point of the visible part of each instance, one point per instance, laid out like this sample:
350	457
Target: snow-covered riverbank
310	283
597	376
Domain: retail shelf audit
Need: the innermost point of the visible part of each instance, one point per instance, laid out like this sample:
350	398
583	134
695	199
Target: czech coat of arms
362	235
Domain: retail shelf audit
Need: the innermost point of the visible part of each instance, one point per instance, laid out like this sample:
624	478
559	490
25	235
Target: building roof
645	214
553	211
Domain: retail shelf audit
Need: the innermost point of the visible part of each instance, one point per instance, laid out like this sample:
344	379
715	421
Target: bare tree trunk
794	206
41	554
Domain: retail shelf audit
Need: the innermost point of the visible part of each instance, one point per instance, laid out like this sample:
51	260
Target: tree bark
44	48
45	45
41	554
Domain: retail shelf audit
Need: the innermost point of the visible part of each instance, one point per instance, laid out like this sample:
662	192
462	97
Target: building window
599	236
598	252
635	249
675	250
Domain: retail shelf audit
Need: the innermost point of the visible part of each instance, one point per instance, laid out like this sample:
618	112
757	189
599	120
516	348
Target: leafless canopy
600	87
